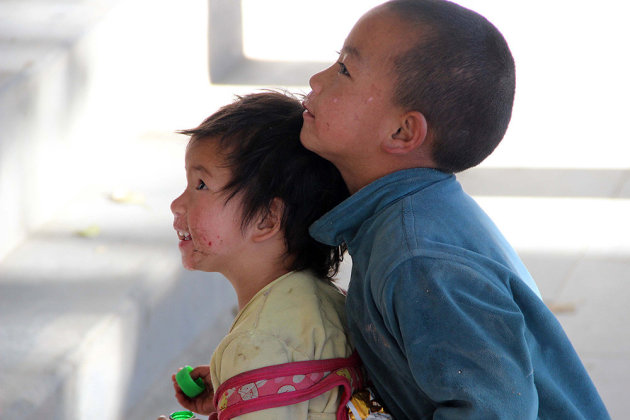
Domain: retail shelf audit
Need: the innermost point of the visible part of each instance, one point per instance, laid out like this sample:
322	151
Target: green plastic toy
191	387
182	415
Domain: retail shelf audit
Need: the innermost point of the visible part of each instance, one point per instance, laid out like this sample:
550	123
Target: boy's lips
307	112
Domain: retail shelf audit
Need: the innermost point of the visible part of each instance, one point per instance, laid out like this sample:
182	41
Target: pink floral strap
287	384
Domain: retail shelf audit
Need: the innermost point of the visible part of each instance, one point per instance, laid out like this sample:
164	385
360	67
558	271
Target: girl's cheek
210	241
217	241
205	241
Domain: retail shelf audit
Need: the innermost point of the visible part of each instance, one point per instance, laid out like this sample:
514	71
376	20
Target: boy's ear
410	135
268	225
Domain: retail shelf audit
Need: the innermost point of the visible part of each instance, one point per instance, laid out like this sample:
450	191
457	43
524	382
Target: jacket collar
342	223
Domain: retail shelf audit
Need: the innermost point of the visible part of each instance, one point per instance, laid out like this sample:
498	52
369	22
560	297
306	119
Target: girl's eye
201	185
342	69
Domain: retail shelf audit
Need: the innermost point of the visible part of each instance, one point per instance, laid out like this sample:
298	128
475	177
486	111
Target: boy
253	190
444	315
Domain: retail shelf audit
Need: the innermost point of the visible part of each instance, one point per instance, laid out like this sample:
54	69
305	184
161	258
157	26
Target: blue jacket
445	316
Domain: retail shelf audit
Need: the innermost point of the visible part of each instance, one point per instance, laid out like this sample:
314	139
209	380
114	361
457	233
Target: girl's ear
409	136
269	225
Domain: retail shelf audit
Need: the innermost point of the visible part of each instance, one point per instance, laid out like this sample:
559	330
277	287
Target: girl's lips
185	243
184	236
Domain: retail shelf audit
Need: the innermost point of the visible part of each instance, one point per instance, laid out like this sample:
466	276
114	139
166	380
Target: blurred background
95	309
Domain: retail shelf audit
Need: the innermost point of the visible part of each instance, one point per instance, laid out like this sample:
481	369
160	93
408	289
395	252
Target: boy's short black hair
259	138
460	75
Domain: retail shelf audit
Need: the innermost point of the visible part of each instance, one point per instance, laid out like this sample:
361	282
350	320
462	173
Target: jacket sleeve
464	337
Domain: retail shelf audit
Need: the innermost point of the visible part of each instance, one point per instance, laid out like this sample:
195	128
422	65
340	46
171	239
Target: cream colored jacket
295	318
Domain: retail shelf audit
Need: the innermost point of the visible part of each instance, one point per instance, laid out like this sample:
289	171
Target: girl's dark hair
259	136
460	75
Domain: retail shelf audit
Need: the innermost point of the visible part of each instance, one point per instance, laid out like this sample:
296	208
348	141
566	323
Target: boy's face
350	108
209	229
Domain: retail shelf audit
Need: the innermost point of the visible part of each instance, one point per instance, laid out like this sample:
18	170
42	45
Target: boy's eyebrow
351	51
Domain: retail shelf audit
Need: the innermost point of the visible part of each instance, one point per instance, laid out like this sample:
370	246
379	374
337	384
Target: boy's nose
315	81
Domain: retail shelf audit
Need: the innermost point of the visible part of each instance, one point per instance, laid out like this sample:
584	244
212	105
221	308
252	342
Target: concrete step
46	74
78	79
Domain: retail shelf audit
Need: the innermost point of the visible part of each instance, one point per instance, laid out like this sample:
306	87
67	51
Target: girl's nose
177	206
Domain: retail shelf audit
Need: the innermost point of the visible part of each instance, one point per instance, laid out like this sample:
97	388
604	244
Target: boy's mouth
307	112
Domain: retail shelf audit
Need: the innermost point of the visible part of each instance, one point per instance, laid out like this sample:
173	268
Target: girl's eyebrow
201	168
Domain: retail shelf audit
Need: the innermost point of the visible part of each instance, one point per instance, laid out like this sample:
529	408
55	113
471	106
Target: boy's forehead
378	34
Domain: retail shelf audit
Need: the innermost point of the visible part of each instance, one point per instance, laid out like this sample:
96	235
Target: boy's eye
201	185
342	69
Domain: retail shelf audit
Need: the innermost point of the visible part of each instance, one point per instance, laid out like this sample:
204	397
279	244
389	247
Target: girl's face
208	227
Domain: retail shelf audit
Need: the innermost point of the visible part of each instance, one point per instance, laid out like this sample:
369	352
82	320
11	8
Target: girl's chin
192	264
189	262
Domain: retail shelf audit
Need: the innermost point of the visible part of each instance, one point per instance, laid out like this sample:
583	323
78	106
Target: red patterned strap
287	384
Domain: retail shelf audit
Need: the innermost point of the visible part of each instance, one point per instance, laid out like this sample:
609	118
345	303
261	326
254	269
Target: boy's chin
308	137
310	143
304	139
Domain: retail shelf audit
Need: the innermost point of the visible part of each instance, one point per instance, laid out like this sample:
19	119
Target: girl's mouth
183	236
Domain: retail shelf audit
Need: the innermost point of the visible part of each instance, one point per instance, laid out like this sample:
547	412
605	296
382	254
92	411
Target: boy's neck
357	177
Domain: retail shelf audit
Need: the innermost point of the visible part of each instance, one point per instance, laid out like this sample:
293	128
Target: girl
253	191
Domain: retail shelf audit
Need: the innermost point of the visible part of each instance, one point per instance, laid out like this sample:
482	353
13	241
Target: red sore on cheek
218	239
